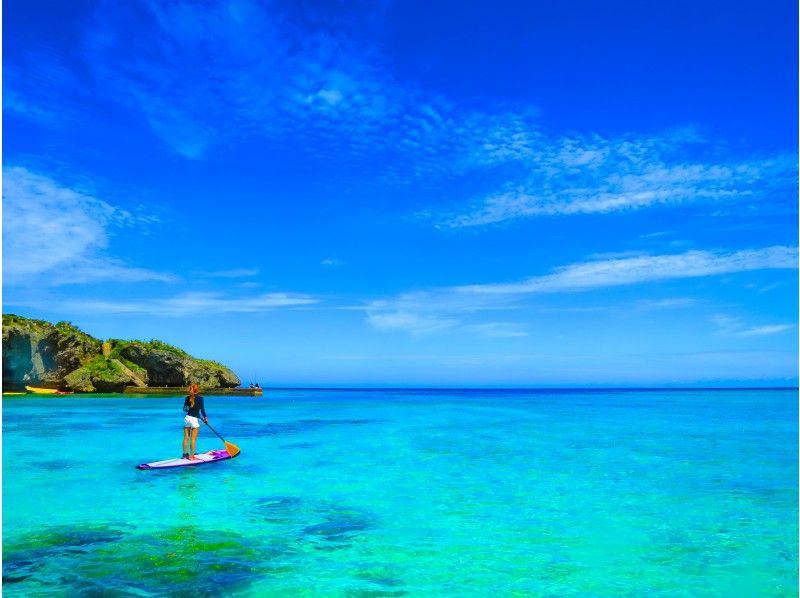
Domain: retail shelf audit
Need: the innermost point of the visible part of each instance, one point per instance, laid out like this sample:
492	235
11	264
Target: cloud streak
54	235
574	175
332	262
204	73
193	304
766	330
643	269
234	273
733	326
452	308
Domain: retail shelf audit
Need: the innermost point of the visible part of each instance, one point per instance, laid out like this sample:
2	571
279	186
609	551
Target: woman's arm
203	408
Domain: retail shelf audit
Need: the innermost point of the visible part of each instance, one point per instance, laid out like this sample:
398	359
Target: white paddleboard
202	458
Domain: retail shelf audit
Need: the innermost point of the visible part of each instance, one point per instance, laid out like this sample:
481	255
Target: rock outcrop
168	366
38	353
100	374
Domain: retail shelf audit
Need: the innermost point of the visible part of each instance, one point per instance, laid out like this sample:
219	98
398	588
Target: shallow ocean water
407	493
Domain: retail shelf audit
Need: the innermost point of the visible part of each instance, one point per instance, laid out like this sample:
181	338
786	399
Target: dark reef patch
282	510
17	567
180	561
56	464
340	525
24	558
324	526
378	580
67	537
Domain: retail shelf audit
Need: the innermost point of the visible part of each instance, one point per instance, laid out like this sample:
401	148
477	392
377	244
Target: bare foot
193	458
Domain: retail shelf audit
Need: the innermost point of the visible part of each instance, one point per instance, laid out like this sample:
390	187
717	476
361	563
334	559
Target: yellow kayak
47	391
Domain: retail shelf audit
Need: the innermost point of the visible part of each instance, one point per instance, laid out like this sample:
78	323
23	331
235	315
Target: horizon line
530	388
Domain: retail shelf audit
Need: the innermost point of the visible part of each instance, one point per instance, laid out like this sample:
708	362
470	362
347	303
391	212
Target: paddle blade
232	449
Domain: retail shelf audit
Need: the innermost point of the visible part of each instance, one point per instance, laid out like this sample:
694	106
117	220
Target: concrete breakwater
182	390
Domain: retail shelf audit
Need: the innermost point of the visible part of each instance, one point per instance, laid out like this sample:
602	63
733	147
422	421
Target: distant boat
47	391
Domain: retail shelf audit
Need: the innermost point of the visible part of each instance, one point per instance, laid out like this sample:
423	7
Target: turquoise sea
407	493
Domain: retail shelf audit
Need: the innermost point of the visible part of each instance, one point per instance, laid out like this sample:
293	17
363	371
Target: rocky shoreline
61	356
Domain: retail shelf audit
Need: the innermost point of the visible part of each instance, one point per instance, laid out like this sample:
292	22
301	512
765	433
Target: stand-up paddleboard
202	458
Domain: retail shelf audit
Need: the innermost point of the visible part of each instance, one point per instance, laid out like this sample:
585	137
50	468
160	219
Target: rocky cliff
38	353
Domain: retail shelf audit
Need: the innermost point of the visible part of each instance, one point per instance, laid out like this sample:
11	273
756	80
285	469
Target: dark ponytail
193	390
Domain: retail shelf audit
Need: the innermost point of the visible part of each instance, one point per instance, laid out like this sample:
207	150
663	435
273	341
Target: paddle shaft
215	432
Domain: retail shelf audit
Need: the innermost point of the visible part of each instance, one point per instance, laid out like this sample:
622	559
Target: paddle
232	449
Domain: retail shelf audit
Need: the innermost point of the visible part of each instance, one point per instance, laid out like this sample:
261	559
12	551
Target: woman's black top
199	407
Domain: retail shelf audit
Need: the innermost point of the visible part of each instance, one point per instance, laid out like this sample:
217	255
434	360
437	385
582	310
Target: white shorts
191	422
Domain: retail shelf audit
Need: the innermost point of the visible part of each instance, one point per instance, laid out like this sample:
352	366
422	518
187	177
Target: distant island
39	353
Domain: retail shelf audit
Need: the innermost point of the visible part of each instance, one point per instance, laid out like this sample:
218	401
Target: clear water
407	493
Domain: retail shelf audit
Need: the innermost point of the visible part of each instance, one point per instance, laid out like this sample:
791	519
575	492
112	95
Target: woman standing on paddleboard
193	406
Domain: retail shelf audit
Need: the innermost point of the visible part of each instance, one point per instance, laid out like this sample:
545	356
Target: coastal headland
60	356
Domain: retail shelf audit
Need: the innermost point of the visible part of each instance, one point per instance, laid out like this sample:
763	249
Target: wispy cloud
53	234
496	329
766	330
562	176
450	308
204	73
332	262
234	273
405	321
669	303
39	85
191	304
634	270
735	326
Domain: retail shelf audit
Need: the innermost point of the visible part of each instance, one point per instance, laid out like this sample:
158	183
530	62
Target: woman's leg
185	440
194	441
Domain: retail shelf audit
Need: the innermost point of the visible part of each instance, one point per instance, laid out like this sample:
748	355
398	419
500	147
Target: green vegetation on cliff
118	345
38	353
30	323
98	374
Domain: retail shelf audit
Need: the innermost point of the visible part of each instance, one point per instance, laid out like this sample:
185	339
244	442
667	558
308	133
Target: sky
406	193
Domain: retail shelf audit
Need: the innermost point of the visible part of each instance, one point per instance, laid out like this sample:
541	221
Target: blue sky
411	193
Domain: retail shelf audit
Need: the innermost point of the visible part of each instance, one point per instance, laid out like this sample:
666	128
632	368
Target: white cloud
201	73
600	176
766	330
332	262
452	308
634	270
726	324
413	323
496	329
53	234
234	273
16	102
670	303
734	326
190	304
262	70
